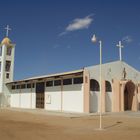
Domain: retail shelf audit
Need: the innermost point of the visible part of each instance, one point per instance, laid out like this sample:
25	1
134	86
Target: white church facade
74	91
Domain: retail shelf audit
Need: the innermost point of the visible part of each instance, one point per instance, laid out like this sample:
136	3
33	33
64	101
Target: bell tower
7	50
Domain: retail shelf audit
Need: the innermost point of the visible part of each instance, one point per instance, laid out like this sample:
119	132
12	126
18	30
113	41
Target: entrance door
128	95
126	99
40	100
40	89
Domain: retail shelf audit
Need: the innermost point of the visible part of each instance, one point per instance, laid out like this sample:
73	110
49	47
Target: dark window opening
33	85
49	83
94	85
9	50
78	80
23	86
28	85
40	88
7	66
17	86
108	86
67	81
13	86
7	75
57	83
0	51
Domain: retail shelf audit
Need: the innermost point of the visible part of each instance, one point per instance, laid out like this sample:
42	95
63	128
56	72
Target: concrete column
116	96
3	62
103	95
138	95
86	84
122	86
135	100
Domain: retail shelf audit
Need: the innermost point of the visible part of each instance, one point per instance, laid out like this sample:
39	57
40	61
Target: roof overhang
52	76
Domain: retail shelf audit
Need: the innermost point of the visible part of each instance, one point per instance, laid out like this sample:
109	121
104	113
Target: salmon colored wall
135	97
135	100
116	96
138	95
122	87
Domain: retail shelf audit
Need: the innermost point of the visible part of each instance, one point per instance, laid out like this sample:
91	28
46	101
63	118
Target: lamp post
94	40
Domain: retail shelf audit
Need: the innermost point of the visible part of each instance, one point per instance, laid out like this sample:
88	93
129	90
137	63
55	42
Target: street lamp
94	40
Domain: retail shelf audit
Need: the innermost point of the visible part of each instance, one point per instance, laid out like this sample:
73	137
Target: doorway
40	89
128	95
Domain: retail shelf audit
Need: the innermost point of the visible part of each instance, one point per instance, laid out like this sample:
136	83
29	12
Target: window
28	85
23	86
0	51
94	85
33	85
49	83
67	81
7	75
78	80
7	66
17	86
13	87
40	88
9	50
108	86
57	83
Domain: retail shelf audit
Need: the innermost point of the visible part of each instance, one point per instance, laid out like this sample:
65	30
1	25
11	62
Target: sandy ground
30	125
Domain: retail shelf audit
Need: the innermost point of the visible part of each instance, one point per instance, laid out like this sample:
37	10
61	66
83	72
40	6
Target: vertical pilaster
103	95
116	95
3	62
122	86
135	100
86	84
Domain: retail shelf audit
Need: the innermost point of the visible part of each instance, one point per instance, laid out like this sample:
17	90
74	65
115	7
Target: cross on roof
120	49
7	30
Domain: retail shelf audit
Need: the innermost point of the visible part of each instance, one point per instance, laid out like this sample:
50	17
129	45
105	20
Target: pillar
86	84
116	96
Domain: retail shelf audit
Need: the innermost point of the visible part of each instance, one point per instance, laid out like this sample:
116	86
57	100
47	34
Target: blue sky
55	36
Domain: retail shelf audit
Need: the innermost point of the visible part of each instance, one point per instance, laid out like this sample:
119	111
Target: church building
74	91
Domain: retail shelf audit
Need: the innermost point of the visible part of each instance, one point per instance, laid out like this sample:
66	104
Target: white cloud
127	39
78	24
63	33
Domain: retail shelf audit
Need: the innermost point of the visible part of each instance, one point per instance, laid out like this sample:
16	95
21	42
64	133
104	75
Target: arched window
94	85
108	86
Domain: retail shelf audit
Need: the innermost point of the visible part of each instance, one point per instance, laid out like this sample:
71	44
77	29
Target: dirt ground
26	125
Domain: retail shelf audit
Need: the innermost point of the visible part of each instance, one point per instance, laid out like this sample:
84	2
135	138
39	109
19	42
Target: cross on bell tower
7	28
120	49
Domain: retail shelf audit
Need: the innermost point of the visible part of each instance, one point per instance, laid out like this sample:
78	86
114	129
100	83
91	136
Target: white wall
108	101
54	93
94	101
23	99
73	98
14	100
114	70
69	99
